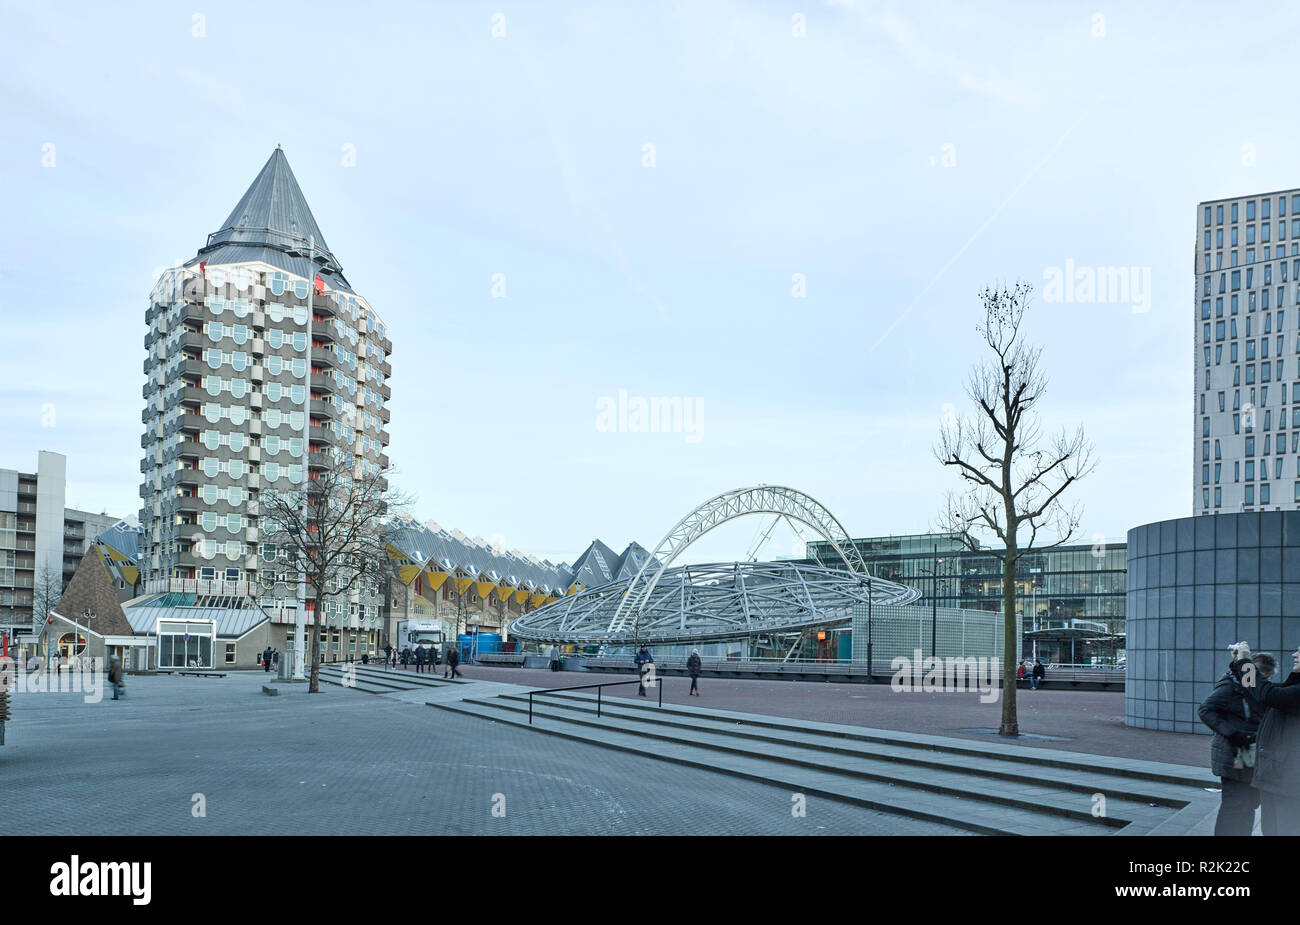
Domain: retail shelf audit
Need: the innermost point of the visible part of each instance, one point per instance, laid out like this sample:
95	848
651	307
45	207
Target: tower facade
259	354
1247	361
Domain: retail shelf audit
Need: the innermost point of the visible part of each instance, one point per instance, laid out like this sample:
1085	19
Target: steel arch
739	502
714	602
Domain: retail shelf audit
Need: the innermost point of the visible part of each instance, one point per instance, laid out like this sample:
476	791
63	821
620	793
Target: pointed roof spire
273	213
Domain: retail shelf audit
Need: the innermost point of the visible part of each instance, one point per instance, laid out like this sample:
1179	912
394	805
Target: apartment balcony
195	369
194	313
195	341
323	331
322	383
323	435
190	449
258	374
258	347
193	477
254	454
192	395
255	427
322	357
323	307
191	503
255	401
385	415
191	423
386	391
323	409
387	368
383	460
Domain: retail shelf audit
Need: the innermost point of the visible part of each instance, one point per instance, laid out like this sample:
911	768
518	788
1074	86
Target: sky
778	215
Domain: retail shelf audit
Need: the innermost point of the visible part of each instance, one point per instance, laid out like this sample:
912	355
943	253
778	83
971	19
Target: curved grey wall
1195	586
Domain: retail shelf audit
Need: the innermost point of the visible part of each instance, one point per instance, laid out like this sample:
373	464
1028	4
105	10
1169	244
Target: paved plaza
344	762
1079	721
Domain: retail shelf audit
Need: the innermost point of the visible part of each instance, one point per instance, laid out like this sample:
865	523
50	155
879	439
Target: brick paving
342	762
1089	721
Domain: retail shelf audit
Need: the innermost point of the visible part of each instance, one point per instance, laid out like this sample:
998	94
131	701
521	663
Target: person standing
419	658
1235	722
388	654
1277	745
406	656
693	665
266	659
115	676
643	659
453	660
1036	676
275	660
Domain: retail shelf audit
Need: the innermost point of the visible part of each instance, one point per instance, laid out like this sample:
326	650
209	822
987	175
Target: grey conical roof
272	222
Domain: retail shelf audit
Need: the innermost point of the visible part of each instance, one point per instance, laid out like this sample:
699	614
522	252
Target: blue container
487	643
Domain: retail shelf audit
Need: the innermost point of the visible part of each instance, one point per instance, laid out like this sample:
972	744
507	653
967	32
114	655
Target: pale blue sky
522	155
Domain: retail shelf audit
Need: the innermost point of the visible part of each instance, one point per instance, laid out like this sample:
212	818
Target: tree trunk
314	686
1010	641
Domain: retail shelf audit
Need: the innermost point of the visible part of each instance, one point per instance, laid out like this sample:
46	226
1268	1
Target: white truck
412	633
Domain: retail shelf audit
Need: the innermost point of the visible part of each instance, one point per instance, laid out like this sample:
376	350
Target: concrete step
1194	778
370	683
963	811
1015	770
954	778
430	679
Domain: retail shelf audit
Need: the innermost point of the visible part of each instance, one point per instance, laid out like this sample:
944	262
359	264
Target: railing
656	681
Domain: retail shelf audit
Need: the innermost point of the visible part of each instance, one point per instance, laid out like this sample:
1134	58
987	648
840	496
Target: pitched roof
91	590
272	223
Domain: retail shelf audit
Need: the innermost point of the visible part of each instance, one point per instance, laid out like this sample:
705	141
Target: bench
200	673
502	658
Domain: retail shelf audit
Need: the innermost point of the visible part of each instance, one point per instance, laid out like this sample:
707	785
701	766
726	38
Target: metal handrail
657	681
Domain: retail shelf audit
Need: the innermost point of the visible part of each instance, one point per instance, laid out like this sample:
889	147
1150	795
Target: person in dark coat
1235	722
266	659
453	660
1277	745
1036	676
643	658
115	676
406	656
388	654
419	658
693	665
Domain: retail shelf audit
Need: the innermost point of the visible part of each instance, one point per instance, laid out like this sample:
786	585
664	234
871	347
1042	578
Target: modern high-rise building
41	541
1247	398
244	382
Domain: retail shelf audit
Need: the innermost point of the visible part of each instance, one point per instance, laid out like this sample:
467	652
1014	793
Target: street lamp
89	615
933	572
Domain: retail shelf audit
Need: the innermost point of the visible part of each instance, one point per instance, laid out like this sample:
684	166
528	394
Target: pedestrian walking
642	660
266	659
693	665
453	660
115	676
388	654
1277	745
1235	722
1036	676
275	660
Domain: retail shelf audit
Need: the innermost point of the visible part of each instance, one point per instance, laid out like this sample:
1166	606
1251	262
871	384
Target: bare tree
330	530
1012	479
46	591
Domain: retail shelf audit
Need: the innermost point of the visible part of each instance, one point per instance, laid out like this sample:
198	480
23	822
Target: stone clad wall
1195	586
